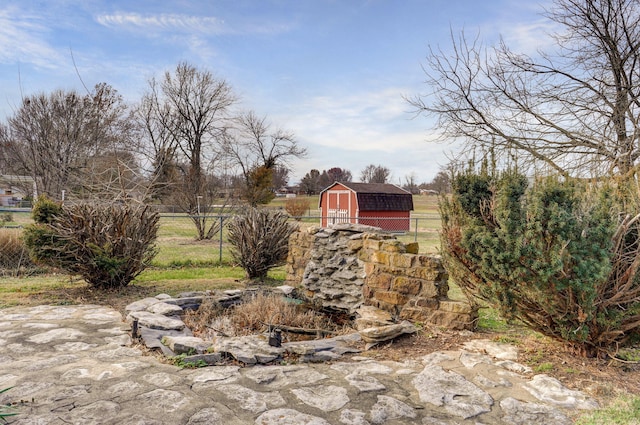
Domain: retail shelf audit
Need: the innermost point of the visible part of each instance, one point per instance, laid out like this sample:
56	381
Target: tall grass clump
14	256
256	315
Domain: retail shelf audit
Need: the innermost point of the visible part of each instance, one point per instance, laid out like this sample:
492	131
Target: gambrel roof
378	196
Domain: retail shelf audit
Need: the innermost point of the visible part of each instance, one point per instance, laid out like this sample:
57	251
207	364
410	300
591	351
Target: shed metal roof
379	196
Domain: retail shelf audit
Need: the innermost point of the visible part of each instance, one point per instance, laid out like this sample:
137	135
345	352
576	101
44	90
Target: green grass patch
544	367
490	320
190	273
624	410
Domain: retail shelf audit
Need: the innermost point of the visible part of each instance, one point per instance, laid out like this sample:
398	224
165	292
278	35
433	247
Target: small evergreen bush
260	240
108	245
558	256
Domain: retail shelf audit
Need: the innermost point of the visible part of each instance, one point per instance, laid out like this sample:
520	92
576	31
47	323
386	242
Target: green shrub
108	245
557	256
260	240
6	217
45	210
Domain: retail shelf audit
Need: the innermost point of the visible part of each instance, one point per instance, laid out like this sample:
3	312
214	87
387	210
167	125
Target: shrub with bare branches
260	240
108	245
297	207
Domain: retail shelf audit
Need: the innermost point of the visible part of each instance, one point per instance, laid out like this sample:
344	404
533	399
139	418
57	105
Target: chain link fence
14	258
178	245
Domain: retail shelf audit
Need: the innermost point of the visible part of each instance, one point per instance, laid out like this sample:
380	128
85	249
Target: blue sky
332	71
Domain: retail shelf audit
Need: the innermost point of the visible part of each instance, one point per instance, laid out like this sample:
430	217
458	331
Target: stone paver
76	365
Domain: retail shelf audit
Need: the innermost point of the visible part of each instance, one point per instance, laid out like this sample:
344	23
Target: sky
336	73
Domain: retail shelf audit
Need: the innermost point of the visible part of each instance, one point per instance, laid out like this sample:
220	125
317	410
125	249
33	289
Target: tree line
184	143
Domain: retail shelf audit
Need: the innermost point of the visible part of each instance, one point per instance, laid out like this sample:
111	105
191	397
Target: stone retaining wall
346	266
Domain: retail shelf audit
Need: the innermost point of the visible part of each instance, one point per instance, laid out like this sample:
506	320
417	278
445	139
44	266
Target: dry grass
254	316
13	253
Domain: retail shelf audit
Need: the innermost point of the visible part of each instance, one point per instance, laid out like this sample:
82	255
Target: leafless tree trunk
55	138
375	174
184	118
257	152
574	110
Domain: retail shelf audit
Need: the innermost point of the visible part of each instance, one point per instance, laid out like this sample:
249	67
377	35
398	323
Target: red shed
375	204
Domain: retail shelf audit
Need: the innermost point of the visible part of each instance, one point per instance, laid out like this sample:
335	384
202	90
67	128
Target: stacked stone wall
346	266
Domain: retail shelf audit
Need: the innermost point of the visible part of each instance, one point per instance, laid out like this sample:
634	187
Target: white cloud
359	122
164	22
23	39
364	128
171	22
531	37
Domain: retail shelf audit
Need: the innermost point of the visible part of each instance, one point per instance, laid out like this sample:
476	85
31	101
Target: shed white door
339	206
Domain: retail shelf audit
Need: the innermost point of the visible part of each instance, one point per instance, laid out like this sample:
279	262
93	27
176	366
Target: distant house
375	204
14	188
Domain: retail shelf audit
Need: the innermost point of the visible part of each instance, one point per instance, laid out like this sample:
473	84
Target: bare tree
375	174
574	110
411	184
441	183
310	183
337	174
280	177
55	138
257	151
185	118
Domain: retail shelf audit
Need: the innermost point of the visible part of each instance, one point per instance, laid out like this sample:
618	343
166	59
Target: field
184	264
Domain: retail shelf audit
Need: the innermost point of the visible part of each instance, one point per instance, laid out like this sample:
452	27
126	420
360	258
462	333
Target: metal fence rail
177	237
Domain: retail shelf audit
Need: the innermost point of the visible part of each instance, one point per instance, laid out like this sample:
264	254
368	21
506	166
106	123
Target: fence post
415	239
220	247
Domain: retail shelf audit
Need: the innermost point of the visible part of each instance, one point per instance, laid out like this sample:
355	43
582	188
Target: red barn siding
340	203
393	221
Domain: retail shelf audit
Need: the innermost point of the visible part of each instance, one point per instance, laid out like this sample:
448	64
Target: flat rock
288	417
388	409
339	345
186	344
388	332
142	304
353	417
285	289
496	350
249	349
186	302
165	309
550	390
516	412
155	321
254	401
218	375
451	390
514	366
152	338
370	316
327	398
58	334
364	383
